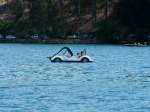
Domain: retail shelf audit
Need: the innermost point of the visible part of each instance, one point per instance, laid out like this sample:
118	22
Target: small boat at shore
135	45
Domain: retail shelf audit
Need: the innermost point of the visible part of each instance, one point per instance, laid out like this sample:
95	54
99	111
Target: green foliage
46	17
134	13
5	25
107	30
38	14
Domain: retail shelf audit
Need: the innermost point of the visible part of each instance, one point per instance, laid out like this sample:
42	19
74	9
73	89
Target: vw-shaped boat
66	55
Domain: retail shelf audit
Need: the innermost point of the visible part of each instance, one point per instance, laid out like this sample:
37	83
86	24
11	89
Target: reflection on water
118	80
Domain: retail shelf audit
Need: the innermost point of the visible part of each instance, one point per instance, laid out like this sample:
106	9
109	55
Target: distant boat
137	45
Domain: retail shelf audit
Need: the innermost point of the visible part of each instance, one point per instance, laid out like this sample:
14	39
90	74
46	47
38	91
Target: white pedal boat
66	55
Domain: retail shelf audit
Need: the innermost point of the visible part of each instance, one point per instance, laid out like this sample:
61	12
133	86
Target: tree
94	9
5	25
46	16
134	13
107	30
17	7
39	14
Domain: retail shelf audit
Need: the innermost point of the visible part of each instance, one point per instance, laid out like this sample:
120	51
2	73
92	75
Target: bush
5	25
107	30
133	13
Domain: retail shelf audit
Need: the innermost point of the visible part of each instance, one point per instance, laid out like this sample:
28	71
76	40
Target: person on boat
78	55
135	43
82	53
138	43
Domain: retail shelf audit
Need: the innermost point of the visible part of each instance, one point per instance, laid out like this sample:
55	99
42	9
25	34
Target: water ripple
117	81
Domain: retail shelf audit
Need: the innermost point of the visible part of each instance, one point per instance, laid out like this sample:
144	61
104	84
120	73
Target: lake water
117	81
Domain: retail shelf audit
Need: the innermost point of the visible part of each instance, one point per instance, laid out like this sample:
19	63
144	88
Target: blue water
117	81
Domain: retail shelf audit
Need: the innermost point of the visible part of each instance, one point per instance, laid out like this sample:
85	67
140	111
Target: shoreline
65	41
52	41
